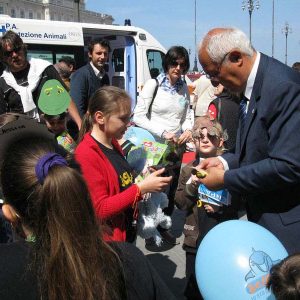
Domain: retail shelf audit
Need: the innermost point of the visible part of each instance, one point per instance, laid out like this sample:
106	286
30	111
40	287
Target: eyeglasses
215	76
15	50
175	64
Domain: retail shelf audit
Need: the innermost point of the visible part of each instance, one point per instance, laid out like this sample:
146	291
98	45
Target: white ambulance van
135	55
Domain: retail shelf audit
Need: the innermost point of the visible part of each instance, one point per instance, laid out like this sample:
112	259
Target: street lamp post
273	14
286	30
78	9
250	5
195	69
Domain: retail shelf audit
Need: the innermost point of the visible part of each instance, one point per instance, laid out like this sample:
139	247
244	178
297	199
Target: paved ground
170	261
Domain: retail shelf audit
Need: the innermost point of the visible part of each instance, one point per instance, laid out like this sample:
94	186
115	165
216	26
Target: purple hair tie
45	163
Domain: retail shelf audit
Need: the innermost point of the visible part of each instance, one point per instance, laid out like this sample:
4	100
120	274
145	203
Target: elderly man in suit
265	166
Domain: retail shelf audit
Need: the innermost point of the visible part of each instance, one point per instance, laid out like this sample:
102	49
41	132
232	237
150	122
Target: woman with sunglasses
163	109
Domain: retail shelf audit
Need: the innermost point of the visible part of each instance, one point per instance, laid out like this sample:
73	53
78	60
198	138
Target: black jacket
18	283
84	83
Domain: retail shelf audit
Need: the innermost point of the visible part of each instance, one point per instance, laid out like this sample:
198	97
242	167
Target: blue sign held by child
220	197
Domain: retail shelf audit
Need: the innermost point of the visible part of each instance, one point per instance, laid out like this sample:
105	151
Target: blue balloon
234	259
137	135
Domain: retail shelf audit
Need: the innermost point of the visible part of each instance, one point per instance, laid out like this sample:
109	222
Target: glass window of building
13	13
22	14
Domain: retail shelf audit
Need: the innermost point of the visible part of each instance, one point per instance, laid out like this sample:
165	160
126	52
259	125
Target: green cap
54	98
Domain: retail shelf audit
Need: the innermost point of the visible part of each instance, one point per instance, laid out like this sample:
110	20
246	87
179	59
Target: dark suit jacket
265	168
83	85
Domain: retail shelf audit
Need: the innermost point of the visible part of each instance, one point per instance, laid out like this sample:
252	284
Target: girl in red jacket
107	173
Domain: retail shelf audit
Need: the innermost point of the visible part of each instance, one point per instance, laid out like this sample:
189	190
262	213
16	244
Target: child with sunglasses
200	216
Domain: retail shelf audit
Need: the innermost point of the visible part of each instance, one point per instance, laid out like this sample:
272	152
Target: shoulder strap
153	97
219	109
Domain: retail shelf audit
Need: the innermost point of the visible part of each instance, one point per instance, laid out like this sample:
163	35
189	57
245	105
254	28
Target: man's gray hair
220	44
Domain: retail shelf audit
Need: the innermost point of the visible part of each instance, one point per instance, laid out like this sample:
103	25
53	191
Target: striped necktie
243	113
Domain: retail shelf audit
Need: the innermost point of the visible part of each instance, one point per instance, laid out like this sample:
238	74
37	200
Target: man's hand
214	180
211	162
74	114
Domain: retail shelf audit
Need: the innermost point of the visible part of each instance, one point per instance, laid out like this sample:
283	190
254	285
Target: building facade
56	10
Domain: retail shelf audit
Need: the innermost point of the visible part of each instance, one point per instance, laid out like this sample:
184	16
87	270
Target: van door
131	71
154	59
123	73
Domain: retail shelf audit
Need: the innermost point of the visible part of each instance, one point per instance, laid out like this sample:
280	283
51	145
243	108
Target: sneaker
169	238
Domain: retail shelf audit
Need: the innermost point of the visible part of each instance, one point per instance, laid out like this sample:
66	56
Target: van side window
118	60
155	58
46	55
59	55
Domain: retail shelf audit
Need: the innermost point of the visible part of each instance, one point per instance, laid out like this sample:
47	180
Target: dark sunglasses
201	136
9	53
175	64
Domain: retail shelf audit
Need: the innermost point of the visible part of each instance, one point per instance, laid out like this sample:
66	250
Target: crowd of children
57	193
114	194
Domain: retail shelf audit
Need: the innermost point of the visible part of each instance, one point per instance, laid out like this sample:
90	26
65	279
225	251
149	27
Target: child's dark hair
107	99
284	279
69	258
59	117
70	61
7	118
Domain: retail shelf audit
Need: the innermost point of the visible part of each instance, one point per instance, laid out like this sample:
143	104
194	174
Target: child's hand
211	209
195	181
154	182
